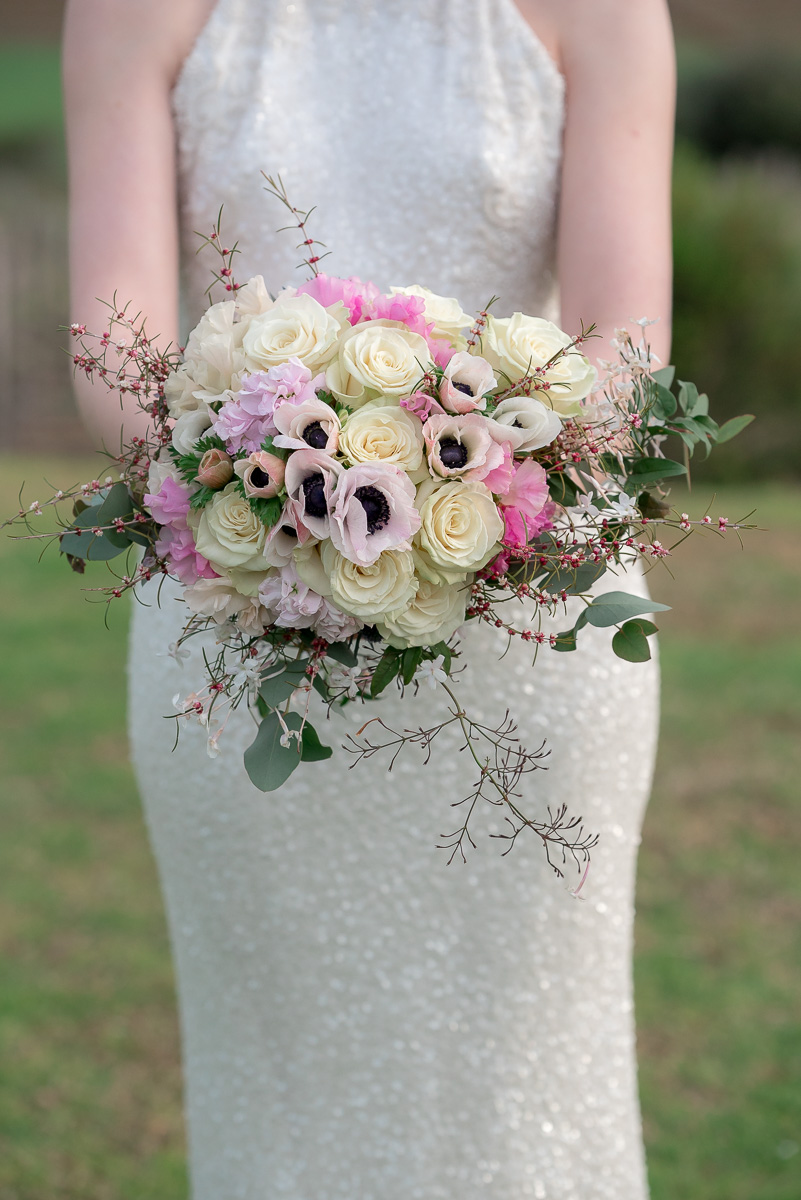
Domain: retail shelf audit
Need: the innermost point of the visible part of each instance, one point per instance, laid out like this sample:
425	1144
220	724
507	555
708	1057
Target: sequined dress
361	1021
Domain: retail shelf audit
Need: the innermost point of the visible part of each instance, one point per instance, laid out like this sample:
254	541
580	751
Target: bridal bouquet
340	478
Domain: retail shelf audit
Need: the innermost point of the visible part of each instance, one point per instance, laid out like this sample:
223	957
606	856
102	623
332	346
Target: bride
359	1020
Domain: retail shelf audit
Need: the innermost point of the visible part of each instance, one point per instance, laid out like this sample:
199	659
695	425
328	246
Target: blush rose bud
262	474
215	470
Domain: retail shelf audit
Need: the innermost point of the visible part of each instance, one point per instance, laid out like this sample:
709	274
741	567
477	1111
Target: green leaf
410	662
574	582
731	428
268	511
387	669
312	749
648	470
566	641
201	497
562	490
279	685
612	608
664	376
631	642
441	648
113	504
341	652
267	762
664	402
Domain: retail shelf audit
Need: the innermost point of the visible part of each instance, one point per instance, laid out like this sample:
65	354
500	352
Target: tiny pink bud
216	469
262	474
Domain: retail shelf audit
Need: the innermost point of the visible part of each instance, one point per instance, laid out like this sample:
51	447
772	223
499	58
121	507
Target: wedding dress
361	1021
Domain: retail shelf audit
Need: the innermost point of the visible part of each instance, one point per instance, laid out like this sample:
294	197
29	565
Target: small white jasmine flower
432	673
212	746
177	652
349	678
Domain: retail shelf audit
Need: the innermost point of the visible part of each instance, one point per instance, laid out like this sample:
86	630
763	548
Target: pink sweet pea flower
178	547
170	505
500	479
529	489
422	405
356	295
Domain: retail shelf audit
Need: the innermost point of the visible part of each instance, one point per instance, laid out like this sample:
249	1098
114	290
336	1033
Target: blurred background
89	1083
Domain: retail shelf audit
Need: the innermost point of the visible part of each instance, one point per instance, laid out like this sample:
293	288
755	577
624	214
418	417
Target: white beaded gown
361	1021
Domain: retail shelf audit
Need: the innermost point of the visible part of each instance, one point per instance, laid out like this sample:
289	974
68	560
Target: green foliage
388	669
279	685
268	511
268	763
631	640
738	305
201	497
111	504
616	608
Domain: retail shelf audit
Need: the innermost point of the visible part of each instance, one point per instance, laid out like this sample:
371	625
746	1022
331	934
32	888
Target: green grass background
90	1083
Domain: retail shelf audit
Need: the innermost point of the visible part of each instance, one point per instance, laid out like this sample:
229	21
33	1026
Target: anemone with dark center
314	495
259	478
452	454
376	507
315	436
463	387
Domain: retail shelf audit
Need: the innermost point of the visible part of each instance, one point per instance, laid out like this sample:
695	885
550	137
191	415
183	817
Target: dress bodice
426	132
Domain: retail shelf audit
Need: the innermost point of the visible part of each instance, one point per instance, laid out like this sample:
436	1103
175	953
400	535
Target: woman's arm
615	245
120	62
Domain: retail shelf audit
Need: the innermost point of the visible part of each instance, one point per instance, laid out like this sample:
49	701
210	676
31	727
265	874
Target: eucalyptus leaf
648	470
312	749
664	376
566	641
612	608
731	428
631	643
387	669
575	581
342	653
562	489
665	402
267	762
410	662
279	684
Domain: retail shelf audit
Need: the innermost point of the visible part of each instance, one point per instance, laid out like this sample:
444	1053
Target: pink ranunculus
499	480
356	295
310	478
422	405
461	446
170	505
178	547
529	489
373	510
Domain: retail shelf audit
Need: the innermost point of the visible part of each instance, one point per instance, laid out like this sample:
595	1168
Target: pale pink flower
262	474
500	479
310	479
285	536
373	510
520	529
356	295
170	505
461	446
292	604
215	469
183	560
246	419
422	405
310	424
465	383
529	489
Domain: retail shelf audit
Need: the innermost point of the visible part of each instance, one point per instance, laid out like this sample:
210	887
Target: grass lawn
90	1086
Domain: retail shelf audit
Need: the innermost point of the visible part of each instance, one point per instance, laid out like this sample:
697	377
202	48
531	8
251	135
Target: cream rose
253	298
518	344
377	358
435	613
297	327
446	313
190	427
460	529
371	593
382	433
229	533
213	361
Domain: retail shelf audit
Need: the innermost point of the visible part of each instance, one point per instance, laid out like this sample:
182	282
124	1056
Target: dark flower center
289	531
259	478
452	454
315	436
463	387
376	507
314	495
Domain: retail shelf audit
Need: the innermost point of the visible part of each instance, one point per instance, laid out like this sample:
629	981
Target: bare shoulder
609	32
119	40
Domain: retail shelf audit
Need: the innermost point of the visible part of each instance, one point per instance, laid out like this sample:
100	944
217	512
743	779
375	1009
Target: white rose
216	598
372	593
377	358
435	613
229	533
190	427
213	358
447	314
526	423
253	298
297	327
179	393
383	433
460	529
518	344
